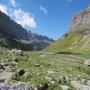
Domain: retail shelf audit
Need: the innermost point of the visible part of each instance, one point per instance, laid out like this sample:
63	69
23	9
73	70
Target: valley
30	61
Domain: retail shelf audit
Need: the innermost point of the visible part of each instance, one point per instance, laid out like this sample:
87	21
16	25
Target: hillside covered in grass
77	38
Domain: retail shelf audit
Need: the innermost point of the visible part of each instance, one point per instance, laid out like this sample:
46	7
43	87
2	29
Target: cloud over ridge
24	18
3	8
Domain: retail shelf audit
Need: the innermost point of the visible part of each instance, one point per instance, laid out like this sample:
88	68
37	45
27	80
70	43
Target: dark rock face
19	35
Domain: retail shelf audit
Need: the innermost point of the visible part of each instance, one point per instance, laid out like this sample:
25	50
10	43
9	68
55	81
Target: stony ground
46	71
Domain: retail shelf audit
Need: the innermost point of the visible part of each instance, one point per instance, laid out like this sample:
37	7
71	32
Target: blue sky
51	18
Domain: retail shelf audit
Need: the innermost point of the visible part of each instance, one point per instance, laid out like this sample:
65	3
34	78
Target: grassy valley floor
46	68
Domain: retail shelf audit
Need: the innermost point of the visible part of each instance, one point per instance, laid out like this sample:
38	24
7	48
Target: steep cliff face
13	34
81	20
78	37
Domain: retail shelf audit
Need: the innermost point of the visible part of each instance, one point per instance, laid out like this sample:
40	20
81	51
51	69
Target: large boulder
5	76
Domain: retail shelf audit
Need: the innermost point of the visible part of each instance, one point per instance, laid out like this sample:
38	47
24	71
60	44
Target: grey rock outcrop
80	86
80	19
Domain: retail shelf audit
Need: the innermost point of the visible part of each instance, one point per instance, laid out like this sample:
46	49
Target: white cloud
21	17
12	2
44	9
24	18
3	8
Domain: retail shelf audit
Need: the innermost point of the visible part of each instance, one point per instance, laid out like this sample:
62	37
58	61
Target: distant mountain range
13	35
77	39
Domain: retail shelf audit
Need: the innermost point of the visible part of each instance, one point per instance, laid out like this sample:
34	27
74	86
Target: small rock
1	70
50	72
16	60
2	66
64	87
83	80
6	64
38	65
2	79
48	78
17	52
88	82
87	62
62	79
42	55
53	82
14	63
26	74
29	58
44	86
21	72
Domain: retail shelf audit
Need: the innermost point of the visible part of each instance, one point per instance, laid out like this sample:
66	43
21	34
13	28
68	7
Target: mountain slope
78	38
13	35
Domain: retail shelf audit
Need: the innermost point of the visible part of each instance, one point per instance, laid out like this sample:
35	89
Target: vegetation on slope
8	42
75	41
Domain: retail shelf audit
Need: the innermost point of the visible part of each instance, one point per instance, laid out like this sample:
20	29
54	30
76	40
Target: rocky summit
78	37
81	19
